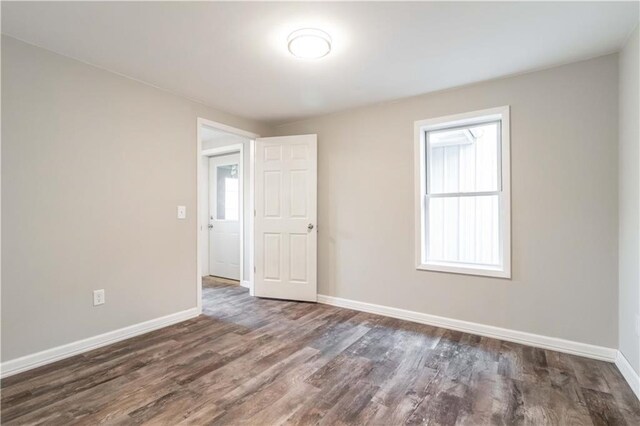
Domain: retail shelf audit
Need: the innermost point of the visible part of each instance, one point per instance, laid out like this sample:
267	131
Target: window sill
457	268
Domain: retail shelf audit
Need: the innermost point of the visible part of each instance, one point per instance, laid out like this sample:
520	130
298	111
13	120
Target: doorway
224	215
276	211
225	205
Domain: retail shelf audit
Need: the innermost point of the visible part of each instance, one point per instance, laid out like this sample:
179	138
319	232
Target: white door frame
200	223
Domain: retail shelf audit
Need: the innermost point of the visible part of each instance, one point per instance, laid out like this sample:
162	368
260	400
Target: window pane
463	159
228	200
464	229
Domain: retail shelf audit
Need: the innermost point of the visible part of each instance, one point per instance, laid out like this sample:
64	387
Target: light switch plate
98	297
182	212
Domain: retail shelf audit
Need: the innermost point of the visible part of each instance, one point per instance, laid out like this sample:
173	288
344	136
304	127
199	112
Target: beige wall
93	167
629	190
564	205
134	148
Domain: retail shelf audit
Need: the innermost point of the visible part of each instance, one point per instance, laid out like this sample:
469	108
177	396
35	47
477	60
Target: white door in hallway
224	216
285	217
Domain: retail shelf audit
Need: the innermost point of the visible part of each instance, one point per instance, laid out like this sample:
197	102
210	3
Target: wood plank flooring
264	362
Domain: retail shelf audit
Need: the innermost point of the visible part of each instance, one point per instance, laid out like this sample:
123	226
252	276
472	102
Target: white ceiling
233	56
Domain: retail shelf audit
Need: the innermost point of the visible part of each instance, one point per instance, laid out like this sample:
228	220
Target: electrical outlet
182	212
98	297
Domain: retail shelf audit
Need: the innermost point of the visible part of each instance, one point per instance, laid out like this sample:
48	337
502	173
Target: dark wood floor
263	362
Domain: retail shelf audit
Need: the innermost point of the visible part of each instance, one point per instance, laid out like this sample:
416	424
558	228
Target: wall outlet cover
98	297
182	212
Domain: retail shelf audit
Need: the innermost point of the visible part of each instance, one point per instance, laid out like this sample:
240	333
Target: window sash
428	194
445	128
462	194
459	263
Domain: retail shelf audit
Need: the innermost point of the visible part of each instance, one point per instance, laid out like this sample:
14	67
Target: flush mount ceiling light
309	43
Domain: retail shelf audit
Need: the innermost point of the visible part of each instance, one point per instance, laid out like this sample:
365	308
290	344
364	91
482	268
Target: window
228	195
462	193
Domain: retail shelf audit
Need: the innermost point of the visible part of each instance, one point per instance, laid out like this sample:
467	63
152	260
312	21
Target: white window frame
504	192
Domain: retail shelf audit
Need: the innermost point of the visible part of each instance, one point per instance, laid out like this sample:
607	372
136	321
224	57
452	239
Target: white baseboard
628	373
48	356
27	362
539	341
246	284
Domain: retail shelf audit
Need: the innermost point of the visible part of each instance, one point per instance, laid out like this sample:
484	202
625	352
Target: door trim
245	281
223	150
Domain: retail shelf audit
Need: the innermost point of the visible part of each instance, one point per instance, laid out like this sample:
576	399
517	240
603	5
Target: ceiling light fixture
309	43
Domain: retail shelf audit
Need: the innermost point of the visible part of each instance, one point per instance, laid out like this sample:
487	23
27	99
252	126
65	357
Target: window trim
504	193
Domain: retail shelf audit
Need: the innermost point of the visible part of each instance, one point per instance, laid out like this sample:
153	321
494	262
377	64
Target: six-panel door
285	217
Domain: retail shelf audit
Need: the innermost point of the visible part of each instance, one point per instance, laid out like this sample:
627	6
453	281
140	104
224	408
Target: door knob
310	226
210	226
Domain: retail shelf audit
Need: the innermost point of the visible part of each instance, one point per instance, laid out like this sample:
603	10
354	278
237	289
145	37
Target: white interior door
285	217
224	216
